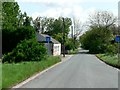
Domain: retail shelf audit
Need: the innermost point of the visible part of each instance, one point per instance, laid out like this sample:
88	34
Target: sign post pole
117	39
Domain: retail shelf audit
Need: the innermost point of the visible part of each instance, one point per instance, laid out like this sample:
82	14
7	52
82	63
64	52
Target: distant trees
51	25
98	38
102	18
54	28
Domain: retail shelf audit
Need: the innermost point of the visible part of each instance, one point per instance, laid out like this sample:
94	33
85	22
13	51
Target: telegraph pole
63	40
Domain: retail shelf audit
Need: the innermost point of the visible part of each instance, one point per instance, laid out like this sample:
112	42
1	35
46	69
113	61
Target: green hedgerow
27	50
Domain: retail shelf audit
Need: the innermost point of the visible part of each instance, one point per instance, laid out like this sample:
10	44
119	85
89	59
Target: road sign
48	39
117	39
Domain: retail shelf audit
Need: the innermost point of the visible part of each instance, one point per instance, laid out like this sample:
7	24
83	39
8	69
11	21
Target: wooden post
63	40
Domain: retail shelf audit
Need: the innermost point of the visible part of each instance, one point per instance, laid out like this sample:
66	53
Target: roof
42	38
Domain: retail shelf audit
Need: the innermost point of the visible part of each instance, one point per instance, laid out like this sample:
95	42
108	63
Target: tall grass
109	59
15	73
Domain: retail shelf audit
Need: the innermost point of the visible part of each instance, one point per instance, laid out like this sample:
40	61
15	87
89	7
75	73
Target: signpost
117	39
48	39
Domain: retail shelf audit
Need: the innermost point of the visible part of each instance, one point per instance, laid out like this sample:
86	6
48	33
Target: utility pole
63	40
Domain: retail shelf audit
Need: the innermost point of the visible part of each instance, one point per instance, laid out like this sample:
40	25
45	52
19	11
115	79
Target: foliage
26	20
15	26
10	11
102	18
55	26
96	40
27	50
52	26
71	44
99	39
112	49
109	59
13	74
58	37
12	38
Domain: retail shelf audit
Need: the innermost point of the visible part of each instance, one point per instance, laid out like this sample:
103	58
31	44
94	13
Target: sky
80	9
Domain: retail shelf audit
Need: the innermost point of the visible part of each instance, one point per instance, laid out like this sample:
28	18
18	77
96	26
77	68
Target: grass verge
112	60
13	74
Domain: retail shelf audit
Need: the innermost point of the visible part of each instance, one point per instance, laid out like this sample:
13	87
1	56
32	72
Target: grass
15	73
109	59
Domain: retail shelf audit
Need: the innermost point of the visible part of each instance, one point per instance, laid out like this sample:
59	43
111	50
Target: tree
10	11
27	20
41	23
102	18
55	26
15	27
96	40
20	19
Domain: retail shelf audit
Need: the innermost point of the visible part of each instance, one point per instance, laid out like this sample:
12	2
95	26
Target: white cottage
53	46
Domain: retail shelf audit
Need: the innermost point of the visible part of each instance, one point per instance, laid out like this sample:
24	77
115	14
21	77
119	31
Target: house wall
56	49
49	48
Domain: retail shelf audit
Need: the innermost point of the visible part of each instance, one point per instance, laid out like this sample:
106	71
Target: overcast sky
80	9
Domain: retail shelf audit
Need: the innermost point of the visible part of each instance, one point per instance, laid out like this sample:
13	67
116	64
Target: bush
27	50
96	40
71	44
11	37
111	49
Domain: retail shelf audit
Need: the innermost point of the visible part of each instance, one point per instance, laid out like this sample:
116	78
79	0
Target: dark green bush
96	40
71	44
27	50
12	37
112	49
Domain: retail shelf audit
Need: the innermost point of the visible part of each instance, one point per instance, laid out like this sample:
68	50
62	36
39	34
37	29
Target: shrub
96	40
27	50
111	49
11	37
71	44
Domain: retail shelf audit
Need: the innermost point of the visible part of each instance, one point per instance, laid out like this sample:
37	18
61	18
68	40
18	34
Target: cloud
66	8
77	12
67	1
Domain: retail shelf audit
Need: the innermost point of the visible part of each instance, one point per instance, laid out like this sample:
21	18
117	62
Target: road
80	71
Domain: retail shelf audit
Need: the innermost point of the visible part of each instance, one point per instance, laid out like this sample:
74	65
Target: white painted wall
56	49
